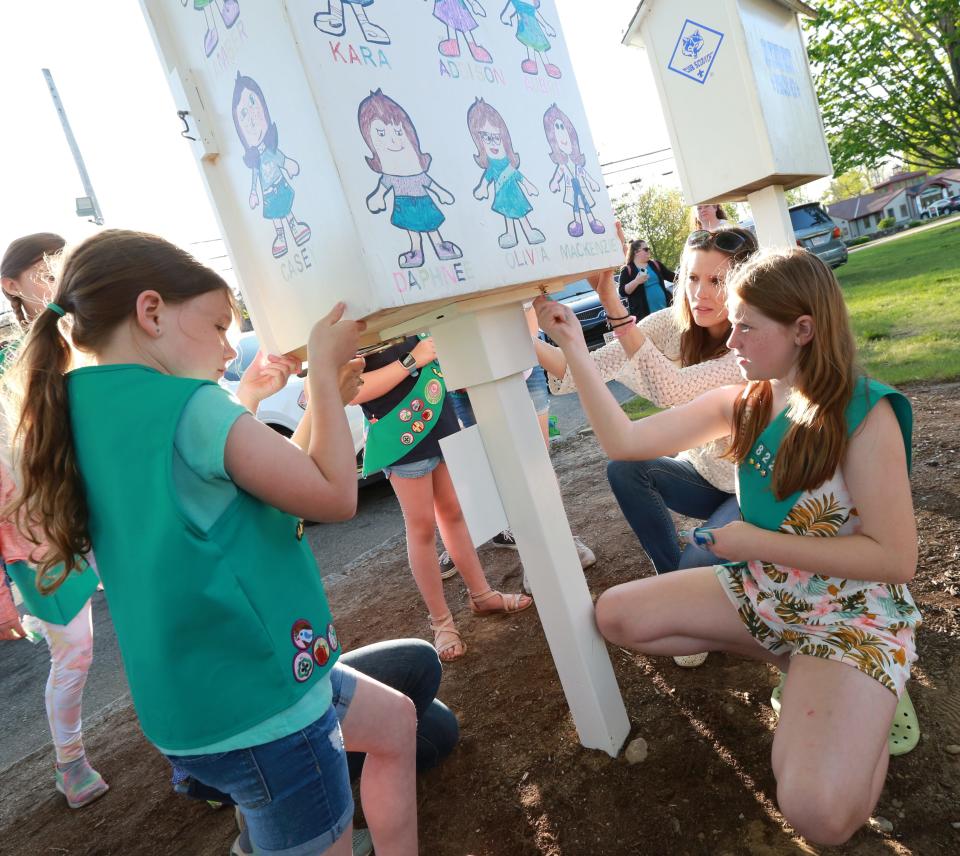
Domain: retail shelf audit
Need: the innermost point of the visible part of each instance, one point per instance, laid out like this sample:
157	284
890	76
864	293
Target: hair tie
57	309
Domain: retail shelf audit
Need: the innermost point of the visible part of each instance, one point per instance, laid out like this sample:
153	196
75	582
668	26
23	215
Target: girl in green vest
63	619
195	509
820	451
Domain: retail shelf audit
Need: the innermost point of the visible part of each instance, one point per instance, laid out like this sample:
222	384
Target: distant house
903	197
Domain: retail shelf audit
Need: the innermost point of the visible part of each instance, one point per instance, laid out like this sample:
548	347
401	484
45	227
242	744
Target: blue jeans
294	792
410	666
536	386
648	490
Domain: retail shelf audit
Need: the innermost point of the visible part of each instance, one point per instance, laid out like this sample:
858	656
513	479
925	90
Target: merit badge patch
417	404
417	427
406	439
302	666
332	637
695	51
406	415
427	415
321	651
433	391
302	633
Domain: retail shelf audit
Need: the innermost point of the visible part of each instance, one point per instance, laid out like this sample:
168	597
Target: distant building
903	197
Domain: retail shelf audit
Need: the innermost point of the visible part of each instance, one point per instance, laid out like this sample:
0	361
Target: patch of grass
904	300
637	408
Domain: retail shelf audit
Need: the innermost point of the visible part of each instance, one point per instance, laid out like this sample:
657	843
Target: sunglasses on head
725	240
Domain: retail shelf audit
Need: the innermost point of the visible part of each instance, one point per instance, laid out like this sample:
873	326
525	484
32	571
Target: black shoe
504	539
447	567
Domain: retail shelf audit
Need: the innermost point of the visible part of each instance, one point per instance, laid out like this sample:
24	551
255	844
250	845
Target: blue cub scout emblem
695	51
692	44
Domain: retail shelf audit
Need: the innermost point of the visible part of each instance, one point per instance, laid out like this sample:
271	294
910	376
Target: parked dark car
815	231
585	303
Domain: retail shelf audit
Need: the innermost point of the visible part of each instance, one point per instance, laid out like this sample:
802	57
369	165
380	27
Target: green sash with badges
390	438
758	505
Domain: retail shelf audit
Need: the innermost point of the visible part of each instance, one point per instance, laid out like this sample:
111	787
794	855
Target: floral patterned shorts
869	626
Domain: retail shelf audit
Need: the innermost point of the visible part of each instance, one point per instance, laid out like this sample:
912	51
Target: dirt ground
519	783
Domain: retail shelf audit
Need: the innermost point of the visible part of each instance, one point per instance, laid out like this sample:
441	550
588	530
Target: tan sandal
442	625
508	603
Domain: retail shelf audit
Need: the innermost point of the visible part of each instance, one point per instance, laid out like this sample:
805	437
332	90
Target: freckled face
765	349
252	118
398	155
704	288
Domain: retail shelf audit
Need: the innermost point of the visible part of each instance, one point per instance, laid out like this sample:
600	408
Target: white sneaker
362	842
691	661
585	553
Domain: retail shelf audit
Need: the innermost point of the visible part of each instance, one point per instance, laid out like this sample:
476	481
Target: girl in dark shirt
401	385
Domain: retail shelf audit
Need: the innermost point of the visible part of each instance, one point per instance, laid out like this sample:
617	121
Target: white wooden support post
772	217
487	351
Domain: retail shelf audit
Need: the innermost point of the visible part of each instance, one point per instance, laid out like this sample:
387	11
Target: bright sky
116	97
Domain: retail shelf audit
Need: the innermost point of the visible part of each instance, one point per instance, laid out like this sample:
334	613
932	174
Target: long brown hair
695	220
24	253
97	287
696	344
379	106
553	116
480	114
784	284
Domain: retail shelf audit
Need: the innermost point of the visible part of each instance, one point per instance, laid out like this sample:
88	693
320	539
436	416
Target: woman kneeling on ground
821	451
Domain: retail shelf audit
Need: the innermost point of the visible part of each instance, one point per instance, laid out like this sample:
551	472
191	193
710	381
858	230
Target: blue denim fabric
410	666
648	490
413	470
294	792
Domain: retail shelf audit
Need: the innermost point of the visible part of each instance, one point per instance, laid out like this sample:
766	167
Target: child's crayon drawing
533	32
458	17
578	185
333	22
269	166
500	164
229	12
403	168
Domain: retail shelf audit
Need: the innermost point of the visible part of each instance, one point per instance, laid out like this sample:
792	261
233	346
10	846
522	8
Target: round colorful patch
406	415
427	415
433	391
416	405
302	666
417	426
301	633
332	637
406	439
321	651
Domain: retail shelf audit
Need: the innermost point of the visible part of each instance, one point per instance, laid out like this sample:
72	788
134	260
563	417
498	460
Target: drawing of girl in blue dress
270	166
459	20
570	173
532	32
500	165
403	168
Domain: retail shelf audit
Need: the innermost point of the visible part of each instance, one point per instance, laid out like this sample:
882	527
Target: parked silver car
815	231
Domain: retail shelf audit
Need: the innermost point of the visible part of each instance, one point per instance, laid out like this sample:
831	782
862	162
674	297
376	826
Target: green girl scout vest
758	505
393	436
219	630
60	606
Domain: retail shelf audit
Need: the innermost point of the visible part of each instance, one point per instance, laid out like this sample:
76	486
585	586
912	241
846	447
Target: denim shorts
537	387
413	470
294	792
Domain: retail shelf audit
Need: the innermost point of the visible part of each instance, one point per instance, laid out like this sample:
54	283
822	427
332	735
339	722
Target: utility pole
87	206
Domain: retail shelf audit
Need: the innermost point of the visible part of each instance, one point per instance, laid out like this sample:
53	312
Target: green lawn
904	300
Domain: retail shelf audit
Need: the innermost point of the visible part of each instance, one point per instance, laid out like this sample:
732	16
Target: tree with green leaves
846	185
659	216
888	80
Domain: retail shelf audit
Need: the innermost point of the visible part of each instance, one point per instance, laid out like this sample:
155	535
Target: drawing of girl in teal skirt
500	165
396	155
270	166
532	33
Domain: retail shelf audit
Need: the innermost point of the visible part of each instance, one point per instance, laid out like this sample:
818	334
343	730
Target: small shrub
886	223
856	242
914	223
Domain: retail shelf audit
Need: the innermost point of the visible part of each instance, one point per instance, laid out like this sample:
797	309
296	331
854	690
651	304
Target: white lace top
656	374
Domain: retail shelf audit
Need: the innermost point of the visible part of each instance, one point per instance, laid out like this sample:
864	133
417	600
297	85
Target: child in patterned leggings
816	572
